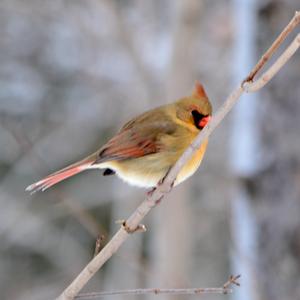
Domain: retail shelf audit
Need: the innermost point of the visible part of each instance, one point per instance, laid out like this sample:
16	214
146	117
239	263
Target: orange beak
204	121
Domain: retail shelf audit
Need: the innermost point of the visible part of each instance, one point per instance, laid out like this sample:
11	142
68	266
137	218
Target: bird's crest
199	91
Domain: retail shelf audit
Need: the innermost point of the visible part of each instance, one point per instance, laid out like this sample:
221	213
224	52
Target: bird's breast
193	164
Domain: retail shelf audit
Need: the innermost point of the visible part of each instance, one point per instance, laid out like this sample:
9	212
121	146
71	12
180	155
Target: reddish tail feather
58	176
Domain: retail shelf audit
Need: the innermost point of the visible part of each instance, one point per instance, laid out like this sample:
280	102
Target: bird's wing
139	137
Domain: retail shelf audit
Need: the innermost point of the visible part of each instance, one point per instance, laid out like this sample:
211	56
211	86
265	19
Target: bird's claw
161	181
150	193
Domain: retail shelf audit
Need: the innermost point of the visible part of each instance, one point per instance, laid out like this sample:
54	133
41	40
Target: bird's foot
167	187
165	190
161	181
150	193
139	228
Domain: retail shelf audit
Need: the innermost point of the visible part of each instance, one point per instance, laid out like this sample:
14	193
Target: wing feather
139	137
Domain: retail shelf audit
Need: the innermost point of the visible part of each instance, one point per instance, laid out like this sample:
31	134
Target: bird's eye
200	120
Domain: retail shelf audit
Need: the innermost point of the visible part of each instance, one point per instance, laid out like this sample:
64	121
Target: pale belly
147	171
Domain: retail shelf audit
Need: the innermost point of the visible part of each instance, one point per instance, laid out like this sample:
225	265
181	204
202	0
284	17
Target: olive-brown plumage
147	146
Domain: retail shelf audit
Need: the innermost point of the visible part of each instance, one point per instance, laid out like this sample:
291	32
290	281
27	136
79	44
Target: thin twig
232	281
225	289
155	291
154	198
280	62
268	54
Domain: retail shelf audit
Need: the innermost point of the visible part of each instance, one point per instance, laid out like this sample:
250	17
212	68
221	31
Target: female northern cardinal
146	147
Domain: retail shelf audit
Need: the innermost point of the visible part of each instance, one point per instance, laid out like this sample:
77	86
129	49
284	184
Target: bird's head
195	109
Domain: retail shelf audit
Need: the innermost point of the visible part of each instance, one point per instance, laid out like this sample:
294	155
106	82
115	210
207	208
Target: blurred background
72	72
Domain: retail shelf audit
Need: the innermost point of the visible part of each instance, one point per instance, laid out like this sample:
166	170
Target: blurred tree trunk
245	144
171	222
276	187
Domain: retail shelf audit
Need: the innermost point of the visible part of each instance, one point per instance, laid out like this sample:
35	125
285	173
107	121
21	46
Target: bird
146	147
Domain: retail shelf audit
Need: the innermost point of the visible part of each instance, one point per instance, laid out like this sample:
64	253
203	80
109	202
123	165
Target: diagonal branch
162	189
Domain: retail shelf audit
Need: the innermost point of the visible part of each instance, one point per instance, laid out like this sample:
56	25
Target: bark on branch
161	190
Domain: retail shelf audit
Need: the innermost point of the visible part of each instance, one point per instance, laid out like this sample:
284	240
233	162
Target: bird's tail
60	175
